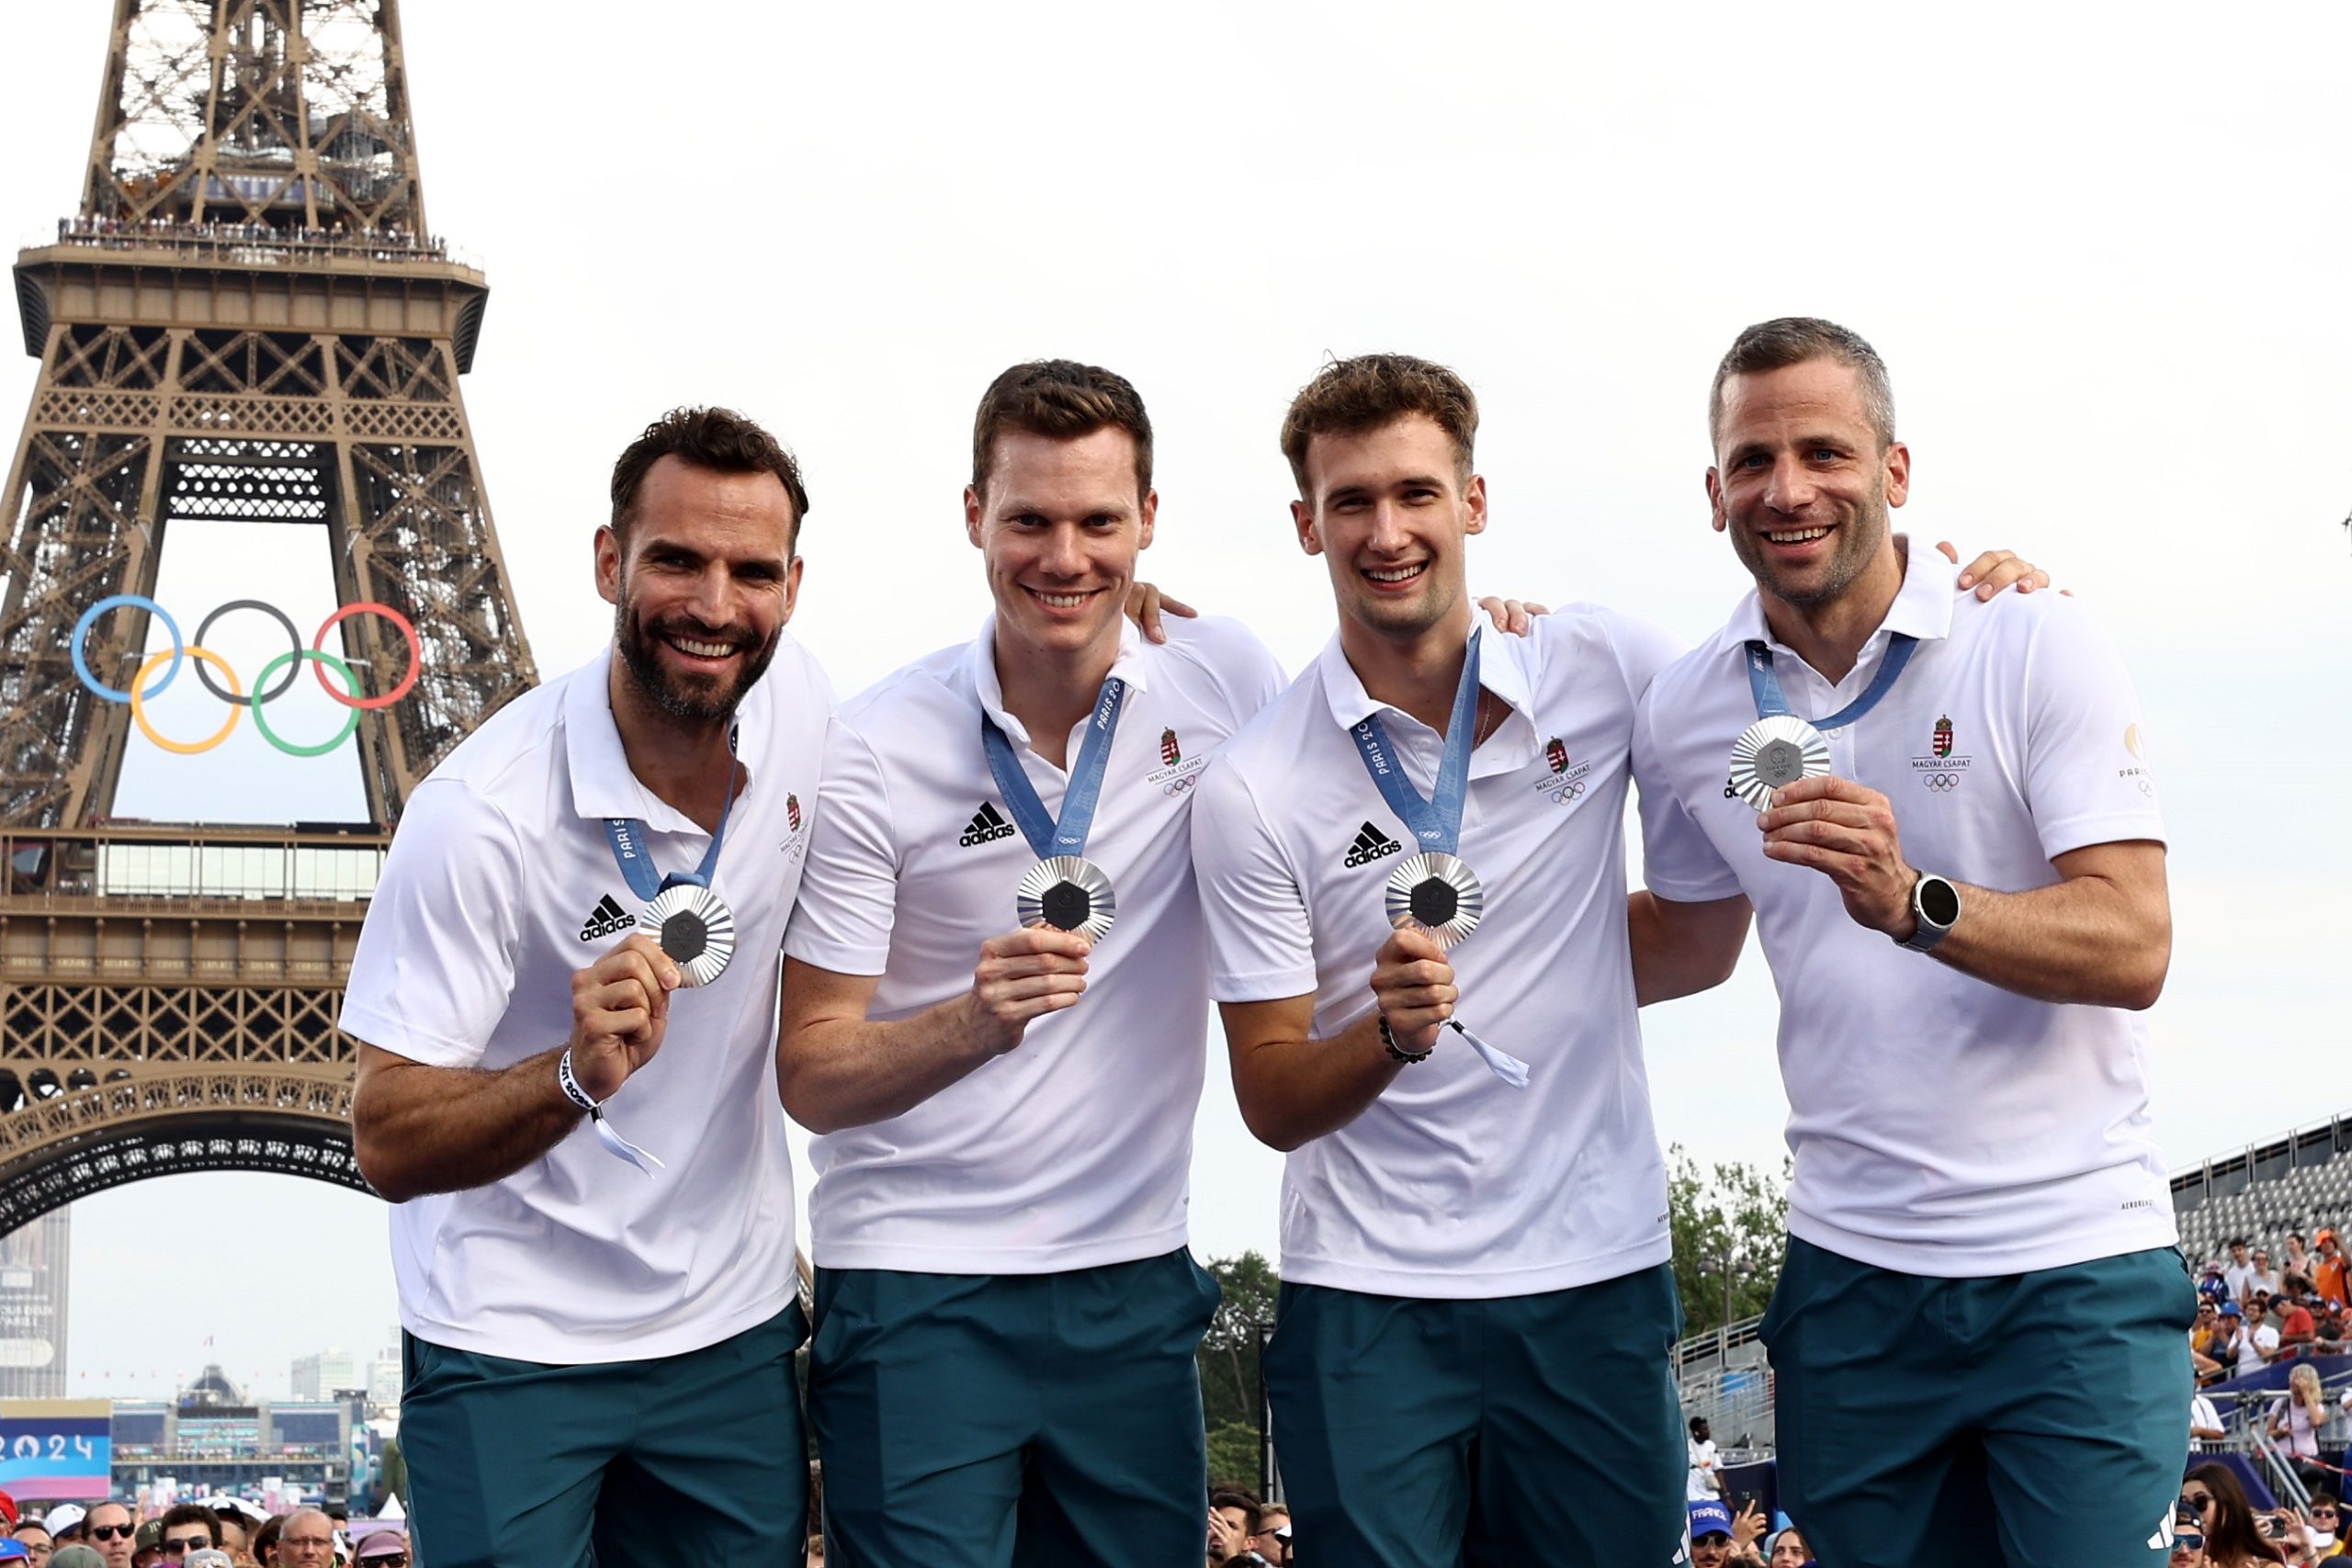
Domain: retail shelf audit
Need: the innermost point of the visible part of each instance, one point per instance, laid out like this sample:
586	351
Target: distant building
211	1439
319	1376
35	1267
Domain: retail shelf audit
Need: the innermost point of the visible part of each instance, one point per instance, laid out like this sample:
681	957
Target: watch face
1938	900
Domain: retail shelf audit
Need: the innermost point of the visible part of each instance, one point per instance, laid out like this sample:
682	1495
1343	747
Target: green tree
1232	1390
1730	1223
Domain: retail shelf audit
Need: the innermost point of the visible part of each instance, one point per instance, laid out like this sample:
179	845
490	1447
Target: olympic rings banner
264	693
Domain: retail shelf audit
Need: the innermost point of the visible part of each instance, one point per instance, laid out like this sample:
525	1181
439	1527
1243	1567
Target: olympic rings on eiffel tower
141	693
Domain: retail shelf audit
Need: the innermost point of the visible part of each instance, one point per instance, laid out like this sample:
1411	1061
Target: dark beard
673	698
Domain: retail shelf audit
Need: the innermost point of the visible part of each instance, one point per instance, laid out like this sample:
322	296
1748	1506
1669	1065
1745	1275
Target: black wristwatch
1934	905
1397	1052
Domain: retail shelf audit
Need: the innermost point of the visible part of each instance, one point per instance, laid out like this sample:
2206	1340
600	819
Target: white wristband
614	1144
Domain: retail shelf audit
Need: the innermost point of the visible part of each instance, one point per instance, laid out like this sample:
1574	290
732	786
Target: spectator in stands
188	1528
147	1546
2252	1341
2295	1258
265	1541
1788	1549
2327	1268
2300	1420
112	1528
1272	1539
2323	1515
2240	1270
2297	1325
1709	1533
65	1523
1233	1520
2232	1538
2187	1538
2204	1420
1704	1481
37	1542
381	1549
306	1540
2207	1335
2264	1280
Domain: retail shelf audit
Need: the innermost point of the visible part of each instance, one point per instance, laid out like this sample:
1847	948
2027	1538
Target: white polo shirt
1942	1126
1453	1183
500	884
1073	1150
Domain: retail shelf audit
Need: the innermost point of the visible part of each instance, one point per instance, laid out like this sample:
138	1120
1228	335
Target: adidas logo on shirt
1370	845
607	919
986	827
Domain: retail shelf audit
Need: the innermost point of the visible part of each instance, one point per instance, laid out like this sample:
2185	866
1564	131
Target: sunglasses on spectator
175	1545
2186	1540
114	1532
2200	1501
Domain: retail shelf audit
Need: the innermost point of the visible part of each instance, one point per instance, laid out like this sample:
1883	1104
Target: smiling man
1471	1359
994	1006
1957	867
599	1337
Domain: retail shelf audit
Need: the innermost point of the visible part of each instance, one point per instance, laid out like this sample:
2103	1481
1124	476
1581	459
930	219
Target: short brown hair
1348	397
1797	340
1062	400
718	439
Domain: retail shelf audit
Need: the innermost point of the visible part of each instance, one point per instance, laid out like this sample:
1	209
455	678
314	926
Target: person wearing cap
14	1551
74	1554
147	1546
1941	813
1709	1533
2328	1273
598	1337
1003	1098
387	1548
205	1556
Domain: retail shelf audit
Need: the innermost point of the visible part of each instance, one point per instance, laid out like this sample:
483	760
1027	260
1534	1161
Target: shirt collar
980	669
1500	671
602	783
1922	606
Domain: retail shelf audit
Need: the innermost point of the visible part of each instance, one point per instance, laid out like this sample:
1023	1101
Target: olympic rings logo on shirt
1942	784
263	693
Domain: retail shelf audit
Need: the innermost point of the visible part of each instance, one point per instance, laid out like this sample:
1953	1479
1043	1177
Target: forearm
1679	949
419	1129
834	1072
2083	940
1293	1091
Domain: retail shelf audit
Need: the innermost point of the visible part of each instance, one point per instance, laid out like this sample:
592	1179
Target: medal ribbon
628	835
1068	836
1765	683
1437	821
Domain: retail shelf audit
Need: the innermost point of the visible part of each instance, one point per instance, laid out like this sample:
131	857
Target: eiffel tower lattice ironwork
247	319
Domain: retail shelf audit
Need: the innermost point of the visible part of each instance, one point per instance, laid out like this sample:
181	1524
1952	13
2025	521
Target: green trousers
2034	1420
976	1421
694	1458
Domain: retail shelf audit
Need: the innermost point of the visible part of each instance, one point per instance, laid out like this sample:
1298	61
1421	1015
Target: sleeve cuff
835	956
402	1039
1264	985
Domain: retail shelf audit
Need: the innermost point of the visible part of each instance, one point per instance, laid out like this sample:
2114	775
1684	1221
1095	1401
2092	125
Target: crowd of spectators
389	243
216	1532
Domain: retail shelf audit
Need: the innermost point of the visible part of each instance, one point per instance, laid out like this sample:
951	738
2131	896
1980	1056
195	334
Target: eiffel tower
248	320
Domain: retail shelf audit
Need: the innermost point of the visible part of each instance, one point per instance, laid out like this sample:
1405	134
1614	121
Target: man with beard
599	1335
1942	812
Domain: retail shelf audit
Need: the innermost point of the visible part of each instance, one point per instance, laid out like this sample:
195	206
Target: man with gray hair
1943	814
307	1540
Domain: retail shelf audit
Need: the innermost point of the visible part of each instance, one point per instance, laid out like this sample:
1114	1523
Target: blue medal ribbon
629	836
1045	835
1437	821
1764	682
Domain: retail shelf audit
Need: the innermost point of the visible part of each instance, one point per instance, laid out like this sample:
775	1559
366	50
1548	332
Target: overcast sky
2106	265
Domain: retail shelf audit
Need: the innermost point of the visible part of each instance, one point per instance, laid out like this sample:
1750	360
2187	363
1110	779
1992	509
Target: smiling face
1801	481
1060	525
1390	512
702	587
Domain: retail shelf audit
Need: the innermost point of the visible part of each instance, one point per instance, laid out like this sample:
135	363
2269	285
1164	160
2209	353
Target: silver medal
694	927
1773	753
1069	893
1437	894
